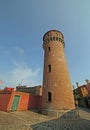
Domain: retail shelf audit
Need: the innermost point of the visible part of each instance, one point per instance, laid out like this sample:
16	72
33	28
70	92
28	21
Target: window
47	40
49	96
56	38
60	39
49	49
50	38
49	68
53	38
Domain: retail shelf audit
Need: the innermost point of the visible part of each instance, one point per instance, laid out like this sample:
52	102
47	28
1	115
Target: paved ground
26	120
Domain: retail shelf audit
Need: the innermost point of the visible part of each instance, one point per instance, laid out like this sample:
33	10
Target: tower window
49	68
49	96
56	38
53	38
60	39
47	40
49	49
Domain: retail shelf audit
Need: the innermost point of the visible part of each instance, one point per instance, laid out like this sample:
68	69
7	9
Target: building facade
88	88
13	100
82	94
81	91
36	90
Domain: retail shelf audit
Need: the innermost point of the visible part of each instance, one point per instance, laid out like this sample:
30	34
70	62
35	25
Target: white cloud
20	74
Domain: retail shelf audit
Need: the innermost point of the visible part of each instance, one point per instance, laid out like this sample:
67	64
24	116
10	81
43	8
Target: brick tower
57	90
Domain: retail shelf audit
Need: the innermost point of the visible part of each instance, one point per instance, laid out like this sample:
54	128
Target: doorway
15	103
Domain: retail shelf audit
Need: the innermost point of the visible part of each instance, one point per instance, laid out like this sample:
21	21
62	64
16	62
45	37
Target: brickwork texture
57	90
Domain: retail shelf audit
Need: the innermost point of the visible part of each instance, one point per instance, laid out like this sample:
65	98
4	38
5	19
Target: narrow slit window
49	48
49	68
49	96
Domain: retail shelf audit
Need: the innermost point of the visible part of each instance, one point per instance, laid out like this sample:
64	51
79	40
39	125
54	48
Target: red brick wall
4	101
35	101
88	88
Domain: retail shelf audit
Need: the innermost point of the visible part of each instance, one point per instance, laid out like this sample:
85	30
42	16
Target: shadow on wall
35	102
84	102
85	109
63	123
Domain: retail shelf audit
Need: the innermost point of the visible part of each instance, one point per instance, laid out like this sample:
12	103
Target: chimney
87	81
77	84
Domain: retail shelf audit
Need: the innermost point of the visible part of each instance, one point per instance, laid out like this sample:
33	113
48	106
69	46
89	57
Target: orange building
13	100
81	91
57	89
88	88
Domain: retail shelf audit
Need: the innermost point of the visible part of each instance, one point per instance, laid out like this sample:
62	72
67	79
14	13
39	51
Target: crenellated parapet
52	36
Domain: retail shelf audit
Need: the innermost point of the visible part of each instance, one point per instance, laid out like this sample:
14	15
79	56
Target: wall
26	102
35	102
4	101
88	88
82	91
84	102
23	103
36	90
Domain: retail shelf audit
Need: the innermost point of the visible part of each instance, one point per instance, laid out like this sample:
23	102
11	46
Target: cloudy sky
22	26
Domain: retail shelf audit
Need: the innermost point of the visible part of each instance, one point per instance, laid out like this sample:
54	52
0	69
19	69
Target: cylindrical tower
57	90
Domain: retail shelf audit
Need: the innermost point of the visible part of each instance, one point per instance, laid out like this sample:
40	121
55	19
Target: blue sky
22	26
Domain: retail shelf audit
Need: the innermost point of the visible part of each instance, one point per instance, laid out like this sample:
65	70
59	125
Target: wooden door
15	103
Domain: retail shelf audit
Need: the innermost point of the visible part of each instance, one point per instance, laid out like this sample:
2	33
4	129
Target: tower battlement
53	35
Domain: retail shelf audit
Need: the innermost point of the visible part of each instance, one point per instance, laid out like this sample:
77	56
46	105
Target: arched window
53	38
49	96
56	38
49	68
50	38
60	39
49	49
47	40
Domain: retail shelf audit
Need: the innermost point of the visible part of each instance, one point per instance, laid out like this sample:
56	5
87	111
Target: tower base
61	113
